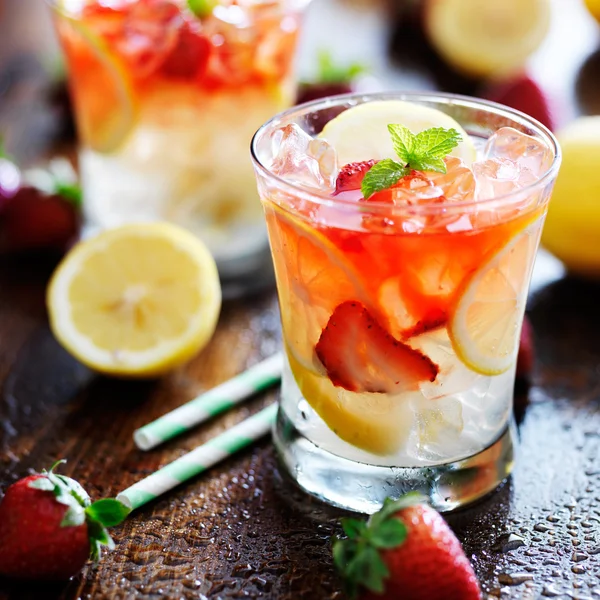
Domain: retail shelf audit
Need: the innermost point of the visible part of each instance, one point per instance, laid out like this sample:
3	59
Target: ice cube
151	32
498	176
523	149
458	183
304	160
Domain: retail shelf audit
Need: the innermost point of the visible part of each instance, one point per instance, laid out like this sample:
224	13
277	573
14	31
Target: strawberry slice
351	175
361	356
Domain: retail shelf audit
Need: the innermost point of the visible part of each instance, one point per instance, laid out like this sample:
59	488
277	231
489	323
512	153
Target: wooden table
240	531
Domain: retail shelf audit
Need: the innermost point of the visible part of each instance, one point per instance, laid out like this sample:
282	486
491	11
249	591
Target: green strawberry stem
329	72
71	192
424	151
80	509
358	558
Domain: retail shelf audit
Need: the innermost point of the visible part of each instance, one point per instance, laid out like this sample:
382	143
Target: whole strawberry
49	528
406	551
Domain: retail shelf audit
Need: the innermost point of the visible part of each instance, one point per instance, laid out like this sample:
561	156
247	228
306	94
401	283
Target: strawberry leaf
99	537
329	72
389	534
368	568
69	191
43	483
403	141
108	512
74	516
382	176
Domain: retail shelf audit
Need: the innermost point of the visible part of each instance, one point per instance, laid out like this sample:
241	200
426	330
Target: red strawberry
361	356
351	175
406	551
34	220
526	355
189	57
49	527
525	95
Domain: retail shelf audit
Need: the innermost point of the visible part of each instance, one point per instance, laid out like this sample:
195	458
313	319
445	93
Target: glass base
362	488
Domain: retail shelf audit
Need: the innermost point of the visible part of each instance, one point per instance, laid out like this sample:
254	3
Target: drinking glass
401	320
166	103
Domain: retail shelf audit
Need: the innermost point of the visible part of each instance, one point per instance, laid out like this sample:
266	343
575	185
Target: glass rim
320	197
60	5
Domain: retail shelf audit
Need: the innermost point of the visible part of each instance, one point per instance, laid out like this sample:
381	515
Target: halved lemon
135	301
361	133
377	423
485	325
484	38
102	91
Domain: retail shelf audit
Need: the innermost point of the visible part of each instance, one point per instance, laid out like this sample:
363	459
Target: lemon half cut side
136	301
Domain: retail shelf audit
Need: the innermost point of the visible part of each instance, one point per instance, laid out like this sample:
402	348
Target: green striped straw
215	401
199	460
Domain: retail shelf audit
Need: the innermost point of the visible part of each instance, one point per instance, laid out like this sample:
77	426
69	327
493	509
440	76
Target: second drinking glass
167	95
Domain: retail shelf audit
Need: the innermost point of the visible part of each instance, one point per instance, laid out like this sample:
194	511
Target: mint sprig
98	516
424	151
358	557
202	8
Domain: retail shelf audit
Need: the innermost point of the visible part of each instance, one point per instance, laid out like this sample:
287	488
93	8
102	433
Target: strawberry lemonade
167	95
403	231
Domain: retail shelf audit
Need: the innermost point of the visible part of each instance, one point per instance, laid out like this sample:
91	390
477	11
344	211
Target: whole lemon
572	230
594	8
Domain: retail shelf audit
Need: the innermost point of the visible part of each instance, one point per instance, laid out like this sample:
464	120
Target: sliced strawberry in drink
351	175
189	57
359	355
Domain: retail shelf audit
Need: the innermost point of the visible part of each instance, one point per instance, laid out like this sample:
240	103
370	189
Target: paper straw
199	460
215	401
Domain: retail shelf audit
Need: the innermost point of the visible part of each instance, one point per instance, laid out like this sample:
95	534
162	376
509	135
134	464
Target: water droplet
507	542
553	519
579	557
550	591
578	569
542	527
514	579
594	551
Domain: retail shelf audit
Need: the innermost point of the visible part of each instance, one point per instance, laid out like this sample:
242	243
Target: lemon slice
361	133
103	94
135	301
377	423
486	38
313	277
486	322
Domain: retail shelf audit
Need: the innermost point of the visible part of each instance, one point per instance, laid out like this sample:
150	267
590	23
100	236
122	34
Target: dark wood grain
241	530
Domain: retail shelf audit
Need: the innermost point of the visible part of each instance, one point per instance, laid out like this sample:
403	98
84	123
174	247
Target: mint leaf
403	141
108	512
436	142
389	534
429	163
202	8
382	176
